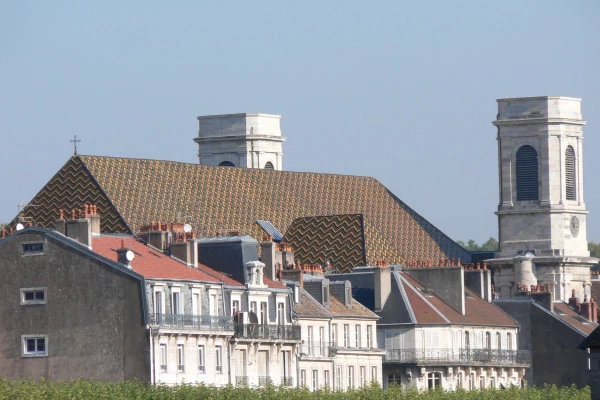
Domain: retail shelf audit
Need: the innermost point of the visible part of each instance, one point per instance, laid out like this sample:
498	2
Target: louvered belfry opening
570	173
527	174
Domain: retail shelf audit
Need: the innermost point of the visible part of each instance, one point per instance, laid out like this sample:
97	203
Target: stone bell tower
541	212
241	140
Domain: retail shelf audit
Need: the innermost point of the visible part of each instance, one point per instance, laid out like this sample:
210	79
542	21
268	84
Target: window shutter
570	173
527	174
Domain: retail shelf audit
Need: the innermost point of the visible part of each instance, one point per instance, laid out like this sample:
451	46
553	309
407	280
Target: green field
132	390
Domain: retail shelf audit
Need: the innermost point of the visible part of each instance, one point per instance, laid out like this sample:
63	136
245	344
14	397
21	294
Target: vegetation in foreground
85	389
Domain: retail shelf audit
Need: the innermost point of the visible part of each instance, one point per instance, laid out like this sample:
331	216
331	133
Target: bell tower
241	140
541	211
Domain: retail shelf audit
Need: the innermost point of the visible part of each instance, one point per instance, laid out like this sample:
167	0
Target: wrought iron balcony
289	381
458	356
188	321
267	332
265	380
315	349
241	380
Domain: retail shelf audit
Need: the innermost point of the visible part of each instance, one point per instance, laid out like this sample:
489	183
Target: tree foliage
489	245
86	389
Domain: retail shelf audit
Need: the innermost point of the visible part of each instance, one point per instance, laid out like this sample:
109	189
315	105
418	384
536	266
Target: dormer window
326	294
348	297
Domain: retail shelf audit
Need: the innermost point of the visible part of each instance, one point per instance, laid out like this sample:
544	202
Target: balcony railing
204	322
458	356
287	381
267	332
265	380
315	349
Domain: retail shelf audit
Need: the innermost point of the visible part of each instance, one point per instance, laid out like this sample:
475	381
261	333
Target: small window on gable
570	173
269	165
527	174
33	296
33	248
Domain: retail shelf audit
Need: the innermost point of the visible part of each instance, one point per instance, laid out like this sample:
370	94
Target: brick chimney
588	309
574	301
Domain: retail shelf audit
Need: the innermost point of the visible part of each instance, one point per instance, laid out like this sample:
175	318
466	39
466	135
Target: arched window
527	174
269	165
570	173
226	164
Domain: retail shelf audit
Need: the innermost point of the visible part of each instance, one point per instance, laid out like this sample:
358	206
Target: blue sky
401	91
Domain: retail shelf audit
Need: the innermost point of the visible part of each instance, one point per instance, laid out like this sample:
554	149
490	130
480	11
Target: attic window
348	297
325	294
226	164
33	248
426	292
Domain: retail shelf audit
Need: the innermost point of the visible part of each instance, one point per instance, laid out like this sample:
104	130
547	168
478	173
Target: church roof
130	193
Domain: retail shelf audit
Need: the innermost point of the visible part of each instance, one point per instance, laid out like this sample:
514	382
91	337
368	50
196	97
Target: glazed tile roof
130	193
153	264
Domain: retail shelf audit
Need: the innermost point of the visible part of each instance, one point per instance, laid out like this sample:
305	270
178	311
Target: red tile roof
152	263
430	309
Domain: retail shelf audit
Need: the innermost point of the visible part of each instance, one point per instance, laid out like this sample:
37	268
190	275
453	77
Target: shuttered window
570	173
527	174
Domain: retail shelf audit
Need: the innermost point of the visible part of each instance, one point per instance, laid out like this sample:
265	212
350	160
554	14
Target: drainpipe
152	361
229	361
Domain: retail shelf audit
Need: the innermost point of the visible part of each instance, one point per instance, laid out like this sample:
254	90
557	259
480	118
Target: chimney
383	285
255	274
60	223
588	309
186	251
270	255
125	255
79	229
574	301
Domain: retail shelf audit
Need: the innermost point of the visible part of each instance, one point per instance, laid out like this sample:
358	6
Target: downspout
229	361
152	361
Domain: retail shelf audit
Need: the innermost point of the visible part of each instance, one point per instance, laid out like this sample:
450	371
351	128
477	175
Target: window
357	336
196	304
471	381
180	358
214	307
163	357
570	173
499	340
394	379
488	340
527	174
369	337
346	335
338	377
33	248
201	358
509	345
175	305
434	380
226	164
35	345
302	378
269	165
326	379
482	382
373	374
493	382
281	313
334	335
348	297
309	338
363	376
459	381
351	377
467	341
253	307
325	294
33	296
315	380
263	313
235	307
219	358
158	302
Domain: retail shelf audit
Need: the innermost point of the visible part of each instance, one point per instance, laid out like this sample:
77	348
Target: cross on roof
75	141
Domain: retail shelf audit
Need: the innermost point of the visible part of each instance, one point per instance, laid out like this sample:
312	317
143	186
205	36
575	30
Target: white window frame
34	353
357	338
363	375
159	293
281	313
213	303
219	359
302	378
196	301
338	377
163	354
350	376
34	291
264	313
326	379
346	335
180	357
334	335
176	303
235	307
369	337
374	374
201	358
315	380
